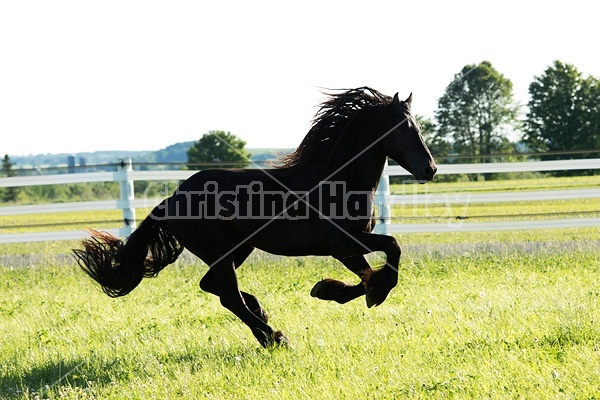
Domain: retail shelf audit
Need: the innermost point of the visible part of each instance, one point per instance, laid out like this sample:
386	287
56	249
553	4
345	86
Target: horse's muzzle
429	172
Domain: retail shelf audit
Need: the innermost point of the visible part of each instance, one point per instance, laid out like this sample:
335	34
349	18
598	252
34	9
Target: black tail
120	266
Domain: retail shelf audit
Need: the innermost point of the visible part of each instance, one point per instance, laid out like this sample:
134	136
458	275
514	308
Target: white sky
80	76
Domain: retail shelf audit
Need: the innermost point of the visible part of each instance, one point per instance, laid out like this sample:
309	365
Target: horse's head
404	143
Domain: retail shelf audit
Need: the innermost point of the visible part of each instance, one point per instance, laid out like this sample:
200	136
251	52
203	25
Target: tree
564	111
476	112
438	148
10	193
218	147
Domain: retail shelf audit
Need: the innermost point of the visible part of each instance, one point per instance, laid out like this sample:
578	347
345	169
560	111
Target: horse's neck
363	173
368	174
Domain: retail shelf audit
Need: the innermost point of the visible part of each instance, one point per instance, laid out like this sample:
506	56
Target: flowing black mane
330	124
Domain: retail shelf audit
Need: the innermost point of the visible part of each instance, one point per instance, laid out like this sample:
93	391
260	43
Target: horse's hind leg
221	280
226	281
209	284
330	289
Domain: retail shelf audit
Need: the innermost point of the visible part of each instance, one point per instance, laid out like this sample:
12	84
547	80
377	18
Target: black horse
317	201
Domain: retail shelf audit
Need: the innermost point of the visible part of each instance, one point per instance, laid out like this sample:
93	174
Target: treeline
110	190
170	154
477	116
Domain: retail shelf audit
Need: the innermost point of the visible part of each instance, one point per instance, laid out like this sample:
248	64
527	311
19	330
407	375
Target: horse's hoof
378	285
375	295
276	338
373	301
328	289
319	286
280	339
370	299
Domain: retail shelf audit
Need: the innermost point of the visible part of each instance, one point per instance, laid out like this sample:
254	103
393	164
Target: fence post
127	194
381	201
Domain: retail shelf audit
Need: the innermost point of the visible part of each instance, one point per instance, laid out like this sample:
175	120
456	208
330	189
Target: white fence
127	203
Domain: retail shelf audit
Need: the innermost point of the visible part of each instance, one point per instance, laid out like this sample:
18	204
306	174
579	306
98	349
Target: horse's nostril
430	171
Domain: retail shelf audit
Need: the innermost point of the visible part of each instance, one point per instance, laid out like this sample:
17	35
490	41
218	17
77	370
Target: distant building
71	164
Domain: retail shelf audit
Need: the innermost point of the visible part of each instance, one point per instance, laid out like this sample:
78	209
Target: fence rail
127	203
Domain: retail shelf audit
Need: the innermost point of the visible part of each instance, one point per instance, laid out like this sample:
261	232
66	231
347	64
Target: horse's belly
290	239
288	249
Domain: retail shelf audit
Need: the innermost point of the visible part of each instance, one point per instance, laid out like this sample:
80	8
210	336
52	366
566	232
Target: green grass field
475	315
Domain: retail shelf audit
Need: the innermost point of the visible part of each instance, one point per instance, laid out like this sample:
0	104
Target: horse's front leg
378	283
331	289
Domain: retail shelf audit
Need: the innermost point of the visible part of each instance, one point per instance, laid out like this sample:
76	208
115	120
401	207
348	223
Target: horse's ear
409	100
396	100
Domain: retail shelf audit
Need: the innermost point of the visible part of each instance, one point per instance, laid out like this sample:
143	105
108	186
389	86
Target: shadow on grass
49	379
84	376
